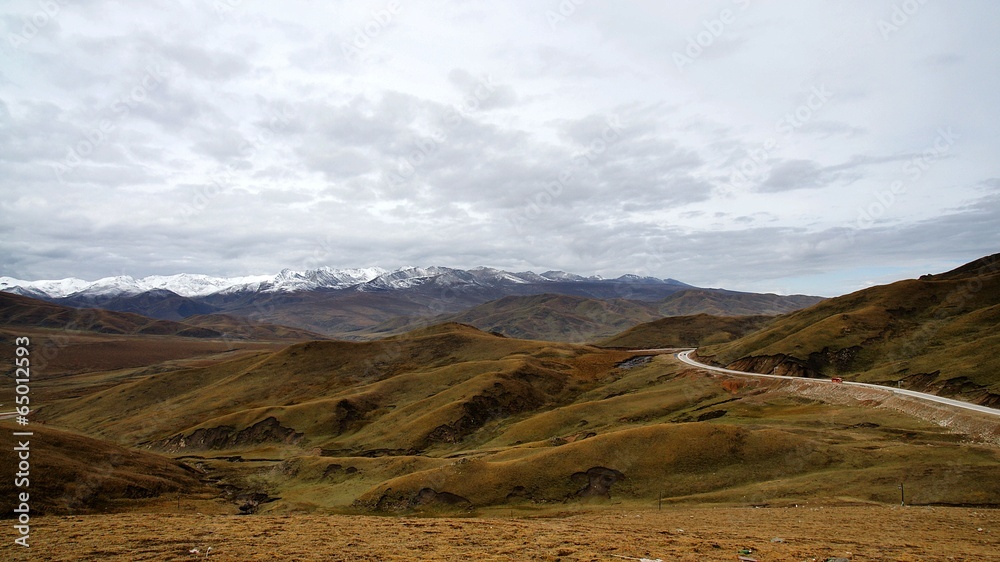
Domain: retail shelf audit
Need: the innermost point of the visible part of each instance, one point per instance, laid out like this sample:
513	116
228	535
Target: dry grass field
805	533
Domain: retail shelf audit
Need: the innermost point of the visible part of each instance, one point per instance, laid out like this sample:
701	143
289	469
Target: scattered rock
635	362
518	493
599	481
430	497
711	415
268	430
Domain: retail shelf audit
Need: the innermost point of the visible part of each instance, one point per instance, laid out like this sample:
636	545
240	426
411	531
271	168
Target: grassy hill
719	302
686	331
72	473
453	378
544	317
21	311
936	334
578	319
451	418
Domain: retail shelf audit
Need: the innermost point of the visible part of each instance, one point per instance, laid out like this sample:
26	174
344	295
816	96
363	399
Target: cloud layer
757	146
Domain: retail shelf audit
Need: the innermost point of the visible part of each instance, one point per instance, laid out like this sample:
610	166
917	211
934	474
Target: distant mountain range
288	281
373	302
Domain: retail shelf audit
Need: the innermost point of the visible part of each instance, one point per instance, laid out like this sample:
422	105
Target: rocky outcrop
597	482
391	501
779	364
957	387
503	399
430	497
268	430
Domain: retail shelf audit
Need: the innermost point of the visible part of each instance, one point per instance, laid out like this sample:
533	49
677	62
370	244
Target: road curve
685	356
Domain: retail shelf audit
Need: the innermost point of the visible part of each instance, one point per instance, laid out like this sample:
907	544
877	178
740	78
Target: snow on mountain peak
288	280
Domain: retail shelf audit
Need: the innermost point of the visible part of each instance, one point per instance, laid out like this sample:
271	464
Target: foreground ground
795	533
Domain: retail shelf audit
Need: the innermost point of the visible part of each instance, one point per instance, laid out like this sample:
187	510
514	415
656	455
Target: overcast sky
784	146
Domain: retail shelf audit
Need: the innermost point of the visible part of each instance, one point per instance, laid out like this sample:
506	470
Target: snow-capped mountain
287	281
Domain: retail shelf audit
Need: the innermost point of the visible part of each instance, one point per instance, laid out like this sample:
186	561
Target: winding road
685	356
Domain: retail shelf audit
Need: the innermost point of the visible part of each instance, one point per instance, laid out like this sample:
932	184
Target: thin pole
902	496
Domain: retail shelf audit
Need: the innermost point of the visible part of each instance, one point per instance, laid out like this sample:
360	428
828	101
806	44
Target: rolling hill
17	310
720	302
75	474
452	418
934	334
578	319
686	331
542	317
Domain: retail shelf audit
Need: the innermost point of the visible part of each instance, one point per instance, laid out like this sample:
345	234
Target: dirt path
805	533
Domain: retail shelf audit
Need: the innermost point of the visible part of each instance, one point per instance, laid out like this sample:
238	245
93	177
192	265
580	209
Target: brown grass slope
555	317
440	382
242	328
937	334
686	331
453	418
72	473
719	302
546	317
759	448
17	310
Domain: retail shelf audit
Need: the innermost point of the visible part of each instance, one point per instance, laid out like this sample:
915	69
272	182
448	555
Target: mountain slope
329	388
937	334
568	318
18	310
160	304
76	474
542	317
686	331
720	302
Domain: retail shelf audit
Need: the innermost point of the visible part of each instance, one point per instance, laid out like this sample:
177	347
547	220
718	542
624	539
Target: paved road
685	356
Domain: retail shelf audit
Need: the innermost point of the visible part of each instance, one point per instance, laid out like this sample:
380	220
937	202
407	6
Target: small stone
777	539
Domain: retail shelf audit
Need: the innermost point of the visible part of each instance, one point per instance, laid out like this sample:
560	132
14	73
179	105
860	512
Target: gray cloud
154	138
